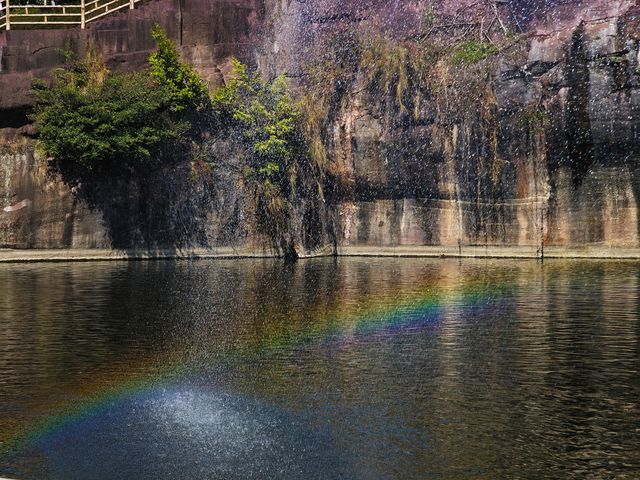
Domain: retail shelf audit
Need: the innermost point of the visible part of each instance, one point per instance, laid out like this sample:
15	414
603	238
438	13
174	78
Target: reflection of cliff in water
439	366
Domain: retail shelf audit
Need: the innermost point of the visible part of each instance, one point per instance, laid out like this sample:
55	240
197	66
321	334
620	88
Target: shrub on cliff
183	86
95	122
263	122
472	51
102	123
265	117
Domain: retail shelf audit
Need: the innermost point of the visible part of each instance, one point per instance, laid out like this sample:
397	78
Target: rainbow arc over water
423	309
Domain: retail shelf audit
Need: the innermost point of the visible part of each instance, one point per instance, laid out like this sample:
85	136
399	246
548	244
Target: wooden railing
52	13
4	24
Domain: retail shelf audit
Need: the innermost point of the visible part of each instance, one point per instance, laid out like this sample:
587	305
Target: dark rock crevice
579	155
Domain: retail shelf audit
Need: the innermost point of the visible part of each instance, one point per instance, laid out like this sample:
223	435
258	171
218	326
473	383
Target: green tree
91	120
184	87
265	116
264	122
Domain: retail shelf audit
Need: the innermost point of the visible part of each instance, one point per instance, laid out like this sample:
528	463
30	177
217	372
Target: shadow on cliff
161	210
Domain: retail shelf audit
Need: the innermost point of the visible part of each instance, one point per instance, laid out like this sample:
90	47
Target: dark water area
327	369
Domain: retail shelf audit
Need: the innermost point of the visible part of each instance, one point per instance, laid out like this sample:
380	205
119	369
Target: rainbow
420	310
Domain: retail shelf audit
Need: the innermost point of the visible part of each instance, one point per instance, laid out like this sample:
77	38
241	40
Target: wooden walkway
57	13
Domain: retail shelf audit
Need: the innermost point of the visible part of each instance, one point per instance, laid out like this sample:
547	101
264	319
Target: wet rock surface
565	175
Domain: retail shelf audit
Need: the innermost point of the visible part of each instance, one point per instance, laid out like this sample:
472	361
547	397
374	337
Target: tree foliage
264	124
92	120
183	86
265	116
95	122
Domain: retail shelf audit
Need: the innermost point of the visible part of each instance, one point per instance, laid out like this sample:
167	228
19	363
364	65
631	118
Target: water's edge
84	255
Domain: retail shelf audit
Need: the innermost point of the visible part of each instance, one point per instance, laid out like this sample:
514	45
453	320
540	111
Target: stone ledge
90	255
594	252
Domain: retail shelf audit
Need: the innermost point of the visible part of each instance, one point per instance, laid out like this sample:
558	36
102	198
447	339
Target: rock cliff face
555	164
547	156
166	210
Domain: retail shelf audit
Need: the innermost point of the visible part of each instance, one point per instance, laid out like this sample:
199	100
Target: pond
323	369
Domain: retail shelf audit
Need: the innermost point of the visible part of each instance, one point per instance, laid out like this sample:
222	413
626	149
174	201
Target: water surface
350	368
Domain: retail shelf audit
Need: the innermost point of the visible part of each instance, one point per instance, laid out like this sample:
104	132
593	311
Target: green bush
472	51
92	121
266	118
264	125
183	86
94	124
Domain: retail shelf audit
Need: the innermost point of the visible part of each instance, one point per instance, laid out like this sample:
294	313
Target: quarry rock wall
566	175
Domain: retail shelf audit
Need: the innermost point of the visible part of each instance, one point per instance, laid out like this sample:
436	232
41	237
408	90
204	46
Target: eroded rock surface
568	180
565	175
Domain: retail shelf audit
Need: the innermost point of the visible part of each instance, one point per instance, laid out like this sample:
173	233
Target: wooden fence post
131	4
6	6
82	16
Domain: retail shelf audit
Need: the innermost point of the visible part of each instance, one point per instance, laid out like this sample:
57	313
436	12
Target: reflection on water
355	368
